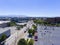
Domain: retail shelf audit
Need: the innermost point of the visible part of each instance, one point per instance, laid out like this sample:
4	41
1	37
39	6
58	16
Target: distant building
53	20
8	31
20	20
4	24
50	20
21	23
57	19
5	31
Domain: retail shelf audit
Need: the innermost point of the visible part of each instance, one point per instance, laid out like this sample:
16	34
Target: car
24	31
36	38
30	35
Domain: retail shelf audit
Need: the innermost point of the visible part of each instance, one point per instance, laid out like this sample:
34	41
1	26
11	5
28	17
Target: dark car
36	38
30	35
24	31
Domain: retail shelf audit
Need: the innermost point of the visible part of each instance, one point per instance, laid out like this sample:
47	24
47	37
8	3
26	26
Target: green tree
34	27
3	37
30	31
35	21
18	27
21	26
12	23
22	42
33	32
31	42
25	24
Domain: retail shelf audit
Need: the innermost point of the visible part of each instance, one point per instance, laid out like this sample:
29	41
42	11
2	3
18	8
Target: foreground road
48	35
14	38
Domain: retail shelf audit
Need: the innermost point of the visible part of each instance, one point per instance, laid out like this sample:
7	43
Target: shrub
30	31
22	42
12	23
3	37
34	27
31	42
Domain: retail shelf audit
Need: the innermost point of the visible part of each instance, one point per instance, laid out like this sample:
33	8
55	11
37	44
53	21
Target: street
14	38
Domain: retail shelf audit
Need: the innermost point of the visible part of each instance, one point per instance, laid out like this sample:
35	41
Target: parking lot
48	35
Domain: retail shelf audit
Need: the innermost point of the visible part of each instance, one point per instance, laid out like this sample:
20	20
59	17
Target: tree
34	27
31	42
12	23
22	42
21	26
25	24
35	21
18	27
3	37
30	31
33	32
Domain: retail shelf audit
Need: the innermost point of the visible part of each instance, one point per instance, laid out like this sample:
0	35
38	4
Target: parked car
36	38
24	31
30	35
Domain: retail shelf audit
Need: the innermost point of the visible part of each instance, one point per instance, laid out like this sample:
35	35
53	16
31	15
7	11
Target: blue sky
35	8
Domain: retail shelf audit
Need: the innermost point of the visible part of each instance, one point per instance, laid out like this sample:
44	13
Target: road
48	35
14	38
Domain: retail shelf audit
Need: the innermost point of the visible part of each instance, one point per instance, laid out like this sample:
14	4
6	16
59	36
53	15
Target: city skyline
32	8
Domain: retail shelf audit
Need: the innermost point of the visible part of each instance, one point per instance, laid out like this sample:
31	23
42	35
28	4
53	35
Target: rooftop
21	23
8	28
1	22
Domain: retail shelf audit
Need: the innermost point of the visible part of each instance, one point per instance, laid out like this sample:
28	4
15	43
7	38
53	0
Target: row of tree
32	31
42	22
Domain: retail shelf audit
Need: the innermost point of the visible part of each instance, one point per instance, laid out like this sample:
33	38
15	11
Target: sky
33	8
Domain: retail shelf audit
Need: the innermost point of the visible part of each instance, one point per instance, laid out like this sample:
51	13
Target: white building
4	23
21	23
